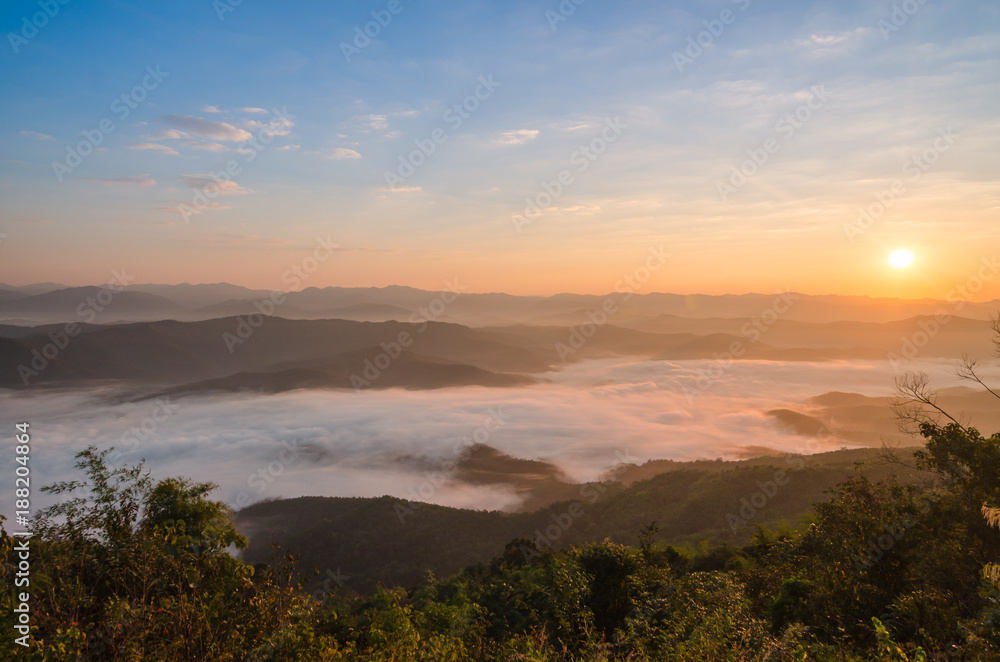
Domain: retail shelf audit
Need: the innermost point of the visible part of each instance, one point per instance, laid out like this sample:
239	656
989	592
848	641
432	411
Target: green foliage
130	569
991	571
613	587
125	568
387	540
181	507
793	604
968	462
889	650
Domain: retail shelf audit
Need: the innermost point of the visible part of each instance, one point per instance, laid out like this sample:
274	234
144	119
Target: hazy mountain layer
272	354
48	302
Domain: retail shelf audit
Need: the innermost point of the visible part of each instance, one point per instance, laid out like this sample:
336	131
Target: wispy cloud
230	239
225	187
140	180
517	137
341	153
36	135
154	147
206	147
169	134
373	122
179	209
205	128
210	109
276	126
831	39
401	189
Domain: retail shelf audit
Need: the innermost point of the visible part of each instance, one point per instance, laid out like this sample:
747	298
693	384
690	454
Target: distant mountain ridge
91	298
171	353
642	311
246	352
34	288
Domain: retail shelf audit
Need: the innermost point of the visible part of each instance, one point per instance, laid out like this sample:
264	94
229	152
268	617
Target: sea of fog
586	419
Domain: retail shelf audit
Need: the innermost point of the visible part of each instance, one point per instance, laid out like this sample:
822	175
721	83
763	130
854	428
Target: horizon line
63	286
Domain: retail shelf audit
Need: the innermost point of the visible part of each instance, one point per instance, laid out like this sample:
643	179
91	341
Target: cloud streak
154	147
36	135
139	180
206	128
223	186
343	153
518	137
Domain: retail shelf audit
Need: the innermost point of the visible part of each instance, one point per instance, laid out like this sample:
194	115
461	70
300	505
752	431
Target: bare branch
967	370
995	327
887	454
917	403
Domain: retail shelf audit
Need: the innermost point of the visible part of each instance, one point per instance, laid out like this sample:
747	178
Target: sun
901	259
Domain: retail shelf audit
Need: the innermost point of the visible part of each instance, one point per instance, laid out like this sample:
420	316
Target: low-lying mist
587	419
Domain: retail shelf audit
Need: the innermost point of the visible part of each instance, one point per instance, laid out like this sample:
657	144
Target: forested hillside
139	570
390	541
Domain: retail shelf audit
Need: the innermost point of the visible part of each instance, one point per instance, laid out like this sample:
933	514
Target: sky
526	147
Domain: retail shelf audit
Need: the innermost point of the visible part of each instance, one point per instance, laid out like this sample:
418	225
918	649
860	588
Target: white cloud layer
366	444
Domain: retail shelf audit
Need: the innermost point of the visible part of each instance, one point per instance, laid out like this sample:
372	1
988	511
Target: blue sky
876	97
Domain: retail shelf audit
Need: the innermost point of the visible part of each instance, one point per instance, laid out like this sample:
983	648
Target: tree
966	461
917	402
959	453
129	568
991	571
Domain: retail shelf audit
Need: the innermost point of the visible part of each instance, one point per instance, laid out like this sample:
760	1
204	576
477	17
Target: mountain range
273	354
200	338
50	302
